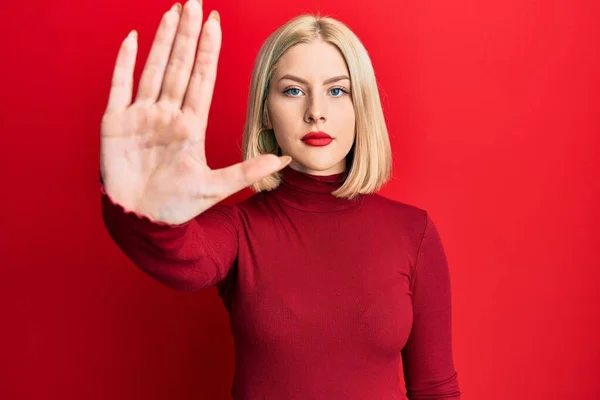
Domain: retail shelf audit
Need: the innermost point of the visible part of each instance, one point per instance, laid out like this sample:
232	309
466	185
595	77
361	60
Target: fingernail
285	160
214	14
177	8
133	34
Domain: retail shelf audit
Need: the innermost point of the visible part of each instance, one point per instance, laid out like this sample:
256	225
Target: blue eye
336	92
288	90
341	90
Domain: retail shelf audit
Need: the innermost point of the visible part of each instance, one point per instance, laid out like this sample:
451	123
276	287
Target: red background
494	115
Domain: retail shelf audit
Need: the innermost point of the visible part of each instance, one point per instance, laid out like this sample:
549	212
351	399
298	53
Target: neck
309	192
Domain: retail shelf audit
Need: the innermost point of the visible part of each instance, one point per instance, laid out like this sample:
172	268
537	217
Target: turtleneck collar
309	192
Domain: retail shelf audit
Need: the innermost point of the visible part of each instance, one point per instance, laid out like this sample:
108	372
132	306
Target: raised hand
152	154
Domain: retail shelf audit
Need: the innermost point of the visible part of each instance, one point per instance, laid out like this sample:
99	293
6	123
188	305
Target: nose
315	112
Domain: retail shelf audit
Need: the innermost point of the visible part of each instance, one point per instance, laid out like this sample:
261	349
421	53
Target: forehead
315	60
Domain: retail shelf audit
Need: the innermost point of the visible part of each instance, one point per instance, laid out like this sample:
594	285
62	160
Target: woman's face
310	92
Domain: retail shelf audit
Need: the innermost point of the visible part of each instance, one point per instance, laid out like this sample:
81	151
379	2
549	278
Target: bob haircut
369	161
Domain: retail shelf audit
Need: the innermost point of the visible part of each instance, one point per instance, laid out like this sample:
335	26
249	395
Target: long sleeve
294	267
190	256
427	356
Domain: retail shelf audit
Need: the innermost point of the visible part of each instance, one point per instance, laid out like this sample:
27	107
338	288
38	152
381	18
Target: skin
317	104
152	148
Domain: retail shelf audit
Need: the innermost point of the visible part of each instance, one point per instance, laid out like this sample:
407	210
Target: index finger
121	86
202	81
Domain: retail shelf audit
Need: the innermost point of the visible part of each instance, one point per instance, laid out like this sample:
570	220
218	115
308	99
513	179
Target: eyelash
333	88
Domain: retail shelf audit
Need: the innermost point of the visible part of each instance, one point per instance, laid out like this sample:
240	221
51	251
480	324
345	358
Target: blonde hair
369	162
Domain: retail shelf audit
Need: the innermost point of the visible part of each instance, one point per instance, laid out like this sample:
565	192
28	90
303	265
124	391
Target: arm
190	256
427	356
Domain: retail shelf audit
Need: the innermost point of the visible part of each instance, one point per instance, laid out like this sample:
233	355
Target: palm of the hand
152	156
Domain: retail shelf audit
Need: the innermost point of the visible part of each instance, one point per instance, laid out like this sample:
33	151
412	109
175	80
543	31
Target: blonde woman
328	285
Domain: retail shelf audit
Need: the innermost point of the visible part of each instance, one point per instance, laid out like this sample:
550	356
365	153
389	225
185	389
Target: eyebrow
330	80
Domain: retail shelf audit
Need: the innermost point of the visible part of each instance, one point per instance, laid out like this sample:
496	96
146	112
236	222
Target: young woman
328	285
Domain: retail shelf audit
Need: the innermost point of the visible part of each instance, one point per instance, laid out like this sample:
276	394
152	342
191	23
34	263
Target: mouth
317	139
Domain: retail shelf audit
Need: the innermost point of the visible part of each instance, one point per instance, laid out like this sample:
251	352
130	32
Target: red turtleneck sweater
325	295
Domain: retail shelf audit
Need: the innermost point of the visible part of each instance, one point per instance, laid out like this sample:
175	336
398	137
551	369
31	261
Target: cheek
345	110
282	135
347	119
281	116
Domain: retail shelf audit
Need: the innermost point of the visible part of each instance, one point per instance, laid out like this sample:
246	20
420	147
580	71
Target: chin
318	167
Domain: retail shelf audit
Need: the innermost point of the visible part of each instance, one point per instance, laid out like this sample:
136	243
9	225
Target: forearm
179	256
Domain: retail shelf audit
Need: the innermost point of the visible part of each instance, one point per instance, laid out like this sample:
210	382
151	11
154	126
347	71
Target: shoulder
403	221
411	217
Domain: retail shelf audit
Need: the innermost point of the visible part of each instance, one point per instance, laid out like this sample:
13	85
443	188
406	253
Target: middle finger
153	74
182	56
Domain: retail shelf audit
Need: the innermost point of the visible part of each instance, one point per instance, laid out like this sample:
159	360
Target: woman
328	285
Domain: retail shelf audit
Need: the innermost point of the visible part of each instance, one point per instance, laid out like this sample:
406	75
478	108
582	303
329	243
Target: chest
329	283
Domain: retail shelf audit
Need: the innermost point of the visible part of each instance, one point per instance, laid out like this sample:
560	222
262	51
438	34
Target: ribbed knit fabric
326	296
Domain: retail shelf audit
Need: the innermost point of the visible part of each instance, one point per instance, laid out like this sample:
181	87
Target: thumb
245	173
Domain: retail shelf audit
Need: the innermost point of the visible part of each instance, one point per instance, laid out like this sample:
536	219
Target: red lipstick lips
317	139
